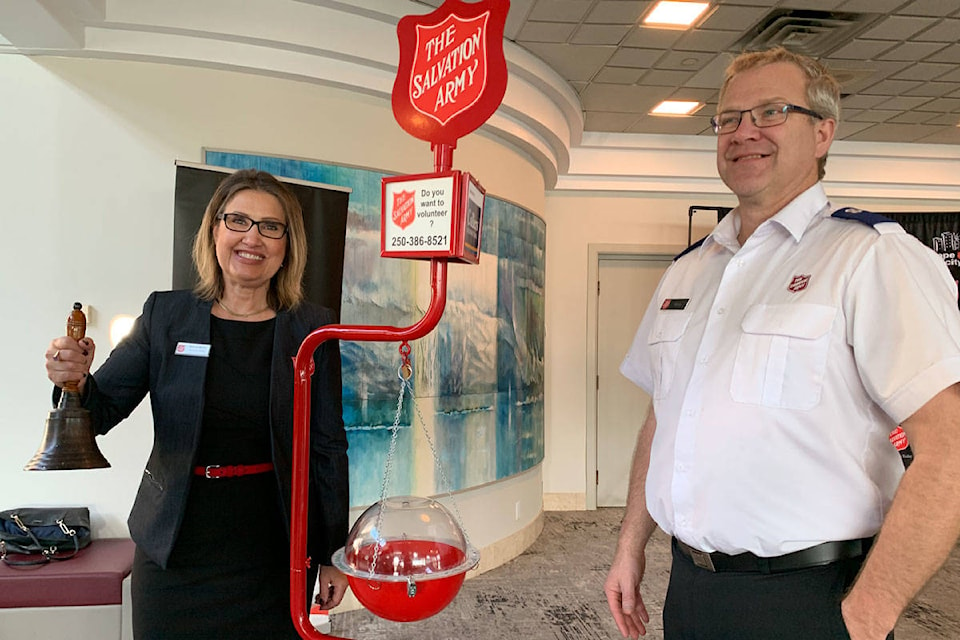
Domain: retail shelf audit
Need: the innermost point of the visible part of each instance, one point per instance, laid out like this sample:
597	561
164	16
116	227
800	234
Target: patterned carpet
554	591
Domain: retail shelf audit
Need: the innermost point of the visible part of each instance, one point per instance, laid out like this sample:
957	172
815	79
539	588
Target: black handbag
40	534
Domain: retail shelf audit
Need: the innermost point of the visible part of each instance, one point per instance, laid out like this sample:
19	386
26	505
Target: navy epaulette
859	215
690	248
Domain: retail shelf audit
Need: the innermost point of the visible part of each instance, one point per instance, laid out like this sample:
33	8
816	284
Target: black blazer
145	361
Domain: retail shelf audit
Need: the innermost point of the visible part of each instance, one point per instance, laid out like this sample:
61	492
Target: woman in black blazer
211	518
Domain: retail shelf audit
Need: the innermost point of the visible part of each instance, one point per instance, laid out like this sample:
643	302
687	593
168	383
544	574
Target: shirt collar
795	218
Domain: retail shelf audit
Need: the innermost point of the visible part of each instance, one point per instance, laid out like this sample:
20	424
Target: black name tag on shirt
674	303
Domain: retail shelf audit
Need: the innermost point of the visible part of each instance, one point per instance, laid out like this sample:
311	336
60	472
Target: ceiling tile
929	8
892	87
601	34
545	32
751	3
622	98
672	125
872	115
903	103
706	96
633	57
860	102
911	51
945	120
664	78
924	71
649	38
944	31
943	105
911	117
515	17
897	28
821	5
617	12
711	76
707	40
933	89
847	129
560	10
866	74
861	49
895	133
607	121
734	18
953	76
618	75
871	6
950	135
684	61
951	55
572	62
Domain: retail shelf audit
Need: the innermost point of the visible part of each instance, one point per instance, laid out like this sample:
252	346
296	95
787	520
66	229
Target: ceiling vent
812	33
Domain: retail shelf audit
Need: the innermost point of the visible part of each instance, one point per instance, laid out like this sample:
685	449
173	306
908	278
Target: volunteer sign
432	215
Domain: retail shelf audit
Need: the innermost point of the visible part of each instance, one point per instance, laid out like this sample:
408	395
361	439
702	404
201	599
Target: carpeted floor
554	591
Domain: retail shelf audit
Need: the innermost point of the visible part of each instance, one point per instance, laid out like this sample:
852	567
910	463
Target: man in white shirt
780	352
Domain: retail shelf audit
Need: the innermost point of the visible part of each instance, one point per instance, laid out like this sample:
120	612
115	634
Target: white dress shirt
777	371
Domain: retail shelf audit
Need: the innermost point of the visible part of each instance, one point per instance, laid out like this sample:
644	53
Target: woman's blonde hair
286	286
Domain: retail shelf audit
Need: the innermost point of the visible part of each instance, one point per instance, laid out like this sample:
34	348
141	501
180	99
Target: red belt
232	470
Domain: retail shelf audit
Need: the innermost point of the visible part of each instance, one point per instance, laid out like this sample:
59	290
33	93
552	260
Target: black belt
749	563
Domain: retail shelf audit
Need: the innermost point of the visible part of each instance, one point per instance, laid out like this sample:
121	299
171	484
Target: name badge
192	349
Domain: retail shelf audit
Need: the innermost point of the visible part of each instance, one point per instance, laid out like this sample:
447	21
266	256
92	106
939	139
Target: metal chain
387	468
405	373
436	459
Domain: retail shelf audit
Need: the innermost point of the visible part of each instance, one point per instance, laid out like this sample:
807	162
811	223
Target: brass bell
69	441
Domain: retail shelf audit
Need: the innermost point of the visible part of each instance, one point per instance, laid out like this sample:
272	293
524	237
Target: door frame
597	252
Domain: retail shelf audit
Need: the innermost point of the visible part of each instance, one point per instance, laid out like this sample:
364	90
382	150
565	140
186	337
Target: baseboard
564	502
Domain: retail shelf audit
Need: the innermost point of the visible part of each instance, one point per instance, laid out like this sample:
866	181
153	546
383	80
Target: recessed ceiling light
675	14
676	108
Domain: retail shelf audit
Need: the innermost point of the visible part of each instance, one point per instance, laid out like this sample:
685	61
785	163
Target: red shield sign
404	209
452	73
449	67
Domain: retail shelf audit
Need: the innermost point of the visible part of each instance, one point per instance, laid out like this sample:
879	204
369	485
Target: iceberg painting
477	415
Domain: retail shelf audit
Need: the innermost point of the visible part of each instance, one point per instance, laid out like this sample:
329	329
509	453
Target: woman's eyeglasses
239	222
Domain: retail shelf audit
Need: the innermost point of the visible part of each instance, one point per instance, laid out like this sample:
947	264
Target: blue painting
477	414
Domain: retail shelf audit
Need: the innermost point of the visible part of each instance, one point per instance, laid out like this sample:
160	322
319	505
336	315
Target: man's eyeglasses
766	115
239	222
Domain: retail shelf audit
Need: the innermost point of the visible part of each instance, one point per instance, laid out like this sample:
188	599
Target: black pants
794	605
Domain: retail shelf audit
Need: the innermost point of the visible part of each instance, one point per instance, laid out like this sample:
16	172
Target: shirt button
721	311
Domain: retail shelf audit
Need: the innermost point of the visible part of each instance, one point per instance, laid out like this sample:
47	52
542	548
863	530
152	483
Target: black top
227	514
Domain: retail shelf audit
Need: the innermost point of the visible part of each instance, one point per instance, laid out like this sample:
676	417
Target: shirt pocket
664	343
782	355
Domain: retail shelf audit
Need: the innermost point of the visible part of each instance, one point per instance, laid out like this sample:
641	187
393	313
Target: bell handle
76	329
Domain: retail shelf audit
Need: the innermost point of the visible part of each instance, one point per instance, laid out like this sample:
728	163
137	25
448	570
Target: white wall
87	168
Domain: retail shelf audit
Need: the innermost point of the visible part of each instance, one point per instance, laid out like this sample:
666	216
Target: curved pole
303	370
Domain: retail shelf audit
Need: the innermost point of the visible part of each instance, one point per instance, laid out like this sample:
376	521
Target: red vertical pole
303	369
442	156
